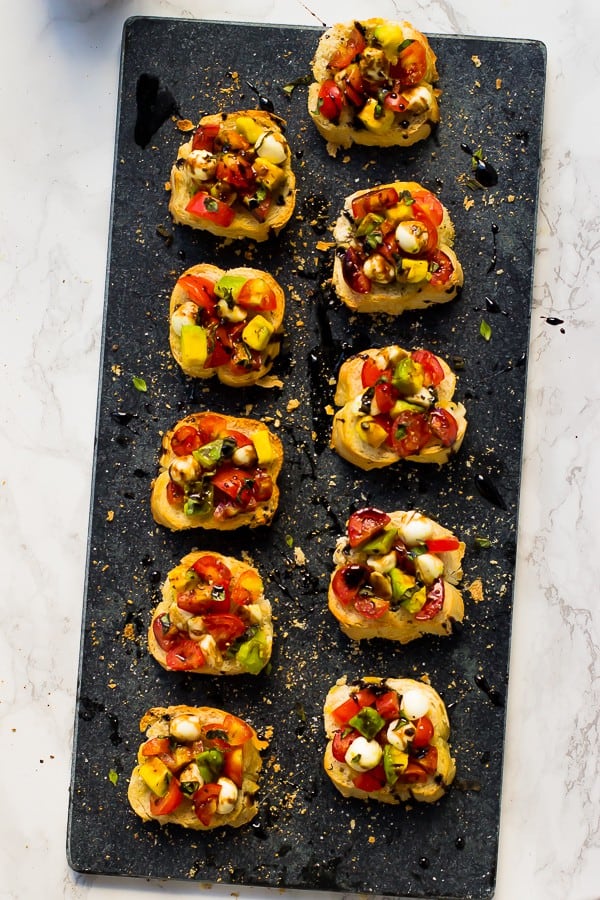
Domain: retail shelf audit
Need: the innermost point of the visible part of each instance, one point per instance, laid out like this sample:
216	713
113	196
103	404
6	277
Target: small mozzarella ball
378	269
186	314
415	703
412	236
184	469
400	734
363	755
429	567
244	456
202	164
416	530
212	654
383	564
271	149
418	99
186	727
227	796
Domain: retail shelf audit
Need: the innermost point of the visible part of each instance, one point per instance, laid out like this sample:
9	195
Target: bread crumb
476	61
185	125
299	557
498	83
110	515
468	202
292	405
475	590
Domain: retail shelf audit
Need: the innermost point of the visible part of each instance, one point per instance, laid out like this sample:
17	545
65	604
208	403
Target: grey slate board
306	835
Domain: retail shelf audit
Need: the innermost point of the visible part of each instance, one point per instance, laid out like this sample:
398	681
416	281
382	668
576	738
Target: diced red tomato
365	524
201	603
256	294
409	433
247	588
233	765
185	440
348	580
263	486
385	396
427	207
434	602
443	545
395	101
204	137
348	50
236	483
354	88
237	730
371	373
212	570
205	802
222	348
224	627
411	66
341	741
433	374
443	425
330	101
371	607
199	289
352	270
442	268
388	706
423	732
185	656
370	781
156	746
206	207
234	169
210	426
355	702
166	638
162	806
374	201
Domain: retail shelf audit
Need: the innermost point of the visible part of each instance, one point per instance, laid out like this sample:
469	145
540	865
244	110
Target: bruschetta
396	405
388	740
373	85
394	250
226	323
217	472
234	177
197	768
396	577
213	619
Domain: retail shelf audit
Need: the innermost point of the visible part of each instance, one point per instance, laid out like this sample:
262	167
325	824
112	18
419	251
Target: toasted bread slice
226	323
234	177
411	417
394	250
217	472
396	576
197	768
374	85
388	740
214	618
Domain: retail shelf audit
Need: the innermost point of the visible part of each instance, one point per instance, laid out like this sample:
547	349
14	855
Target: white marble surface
59	69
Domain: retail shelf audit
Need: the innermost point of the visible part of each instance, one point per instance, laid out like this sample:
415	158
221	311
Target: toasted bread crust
155	723
175	517
244	224
398	623
416	120
347	431
225	373
342	775
395	297
258	616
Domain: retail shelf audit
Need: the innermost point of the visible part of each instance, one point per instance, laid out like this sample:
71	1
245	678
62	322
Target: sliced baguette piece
416	700
188	729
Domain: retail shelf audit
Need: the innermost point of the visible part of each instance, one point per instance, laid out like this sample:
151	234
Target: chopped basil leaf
139	384
113	776
485	330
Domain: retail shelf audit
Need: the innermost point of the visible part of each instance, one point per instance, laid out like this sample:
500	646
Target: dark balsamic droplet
494	258
122	418
424	862
489	491
552	320
491	305
483	171
263	102
459	843
494	695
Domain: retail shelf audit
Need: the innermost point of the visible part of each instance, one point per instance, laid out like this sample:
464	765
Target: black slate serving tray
306	835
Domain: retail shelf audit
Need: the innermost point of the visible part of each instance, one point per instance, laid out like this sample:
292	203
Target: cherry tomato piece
341	741
348	50
434	602
348	580
205	802
233	765
385	396
411	66
233	169
162	806
185	440
443	545
374	201
429	760
199	289
413	774
371	607
433	374
175	494
204	137
365	524
256	294
440	267
330	101
423	732
165	633
370	781
371	373
156	746
388	706
224	627
235	483
352	270
426	206
185	656
212	570
443	425
410	432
